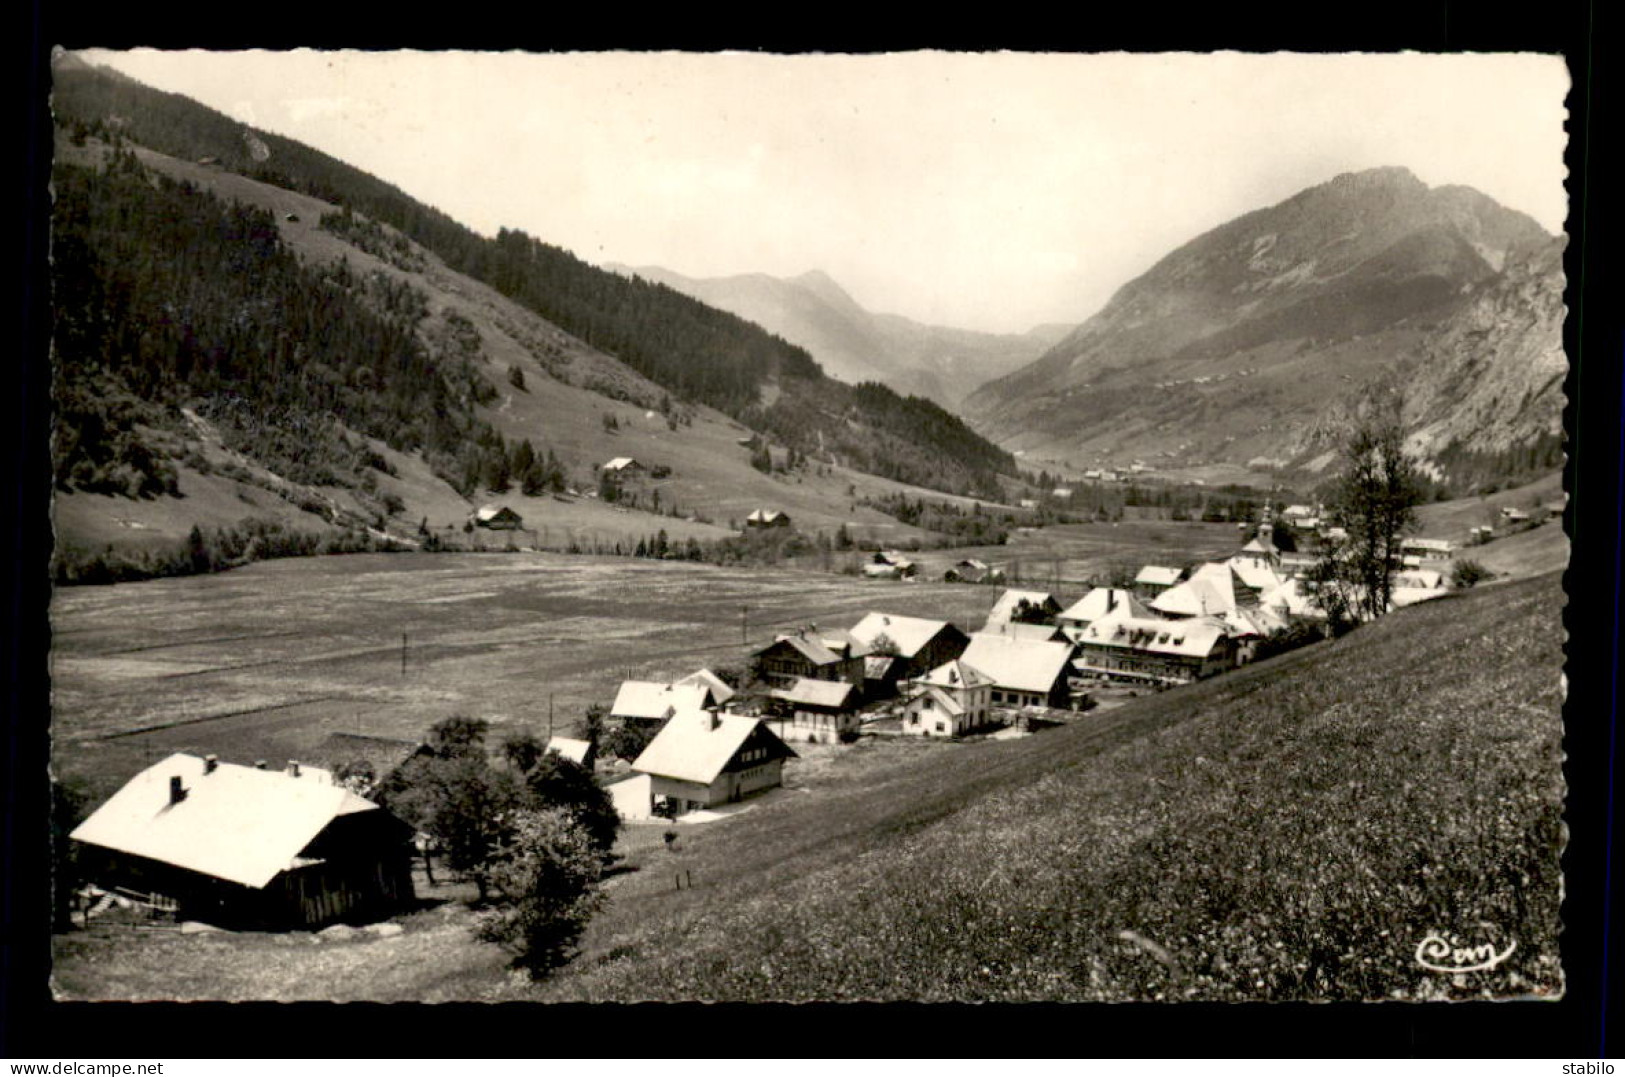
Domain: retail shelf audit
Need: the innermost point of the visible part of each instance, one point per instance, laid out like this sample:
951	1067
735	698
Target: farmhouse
1062	492
246	847
702	759
889	564
651	701
971	570
768	518
1514	515
498	518
1427	548
1005	608
622	465
1025	673
951	700
1416	585
922	644
803	654
1127	647
1097	604
820	711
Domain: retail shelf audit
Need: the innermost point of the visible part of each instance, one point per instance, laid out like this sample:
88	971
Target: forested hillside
167	296
702	355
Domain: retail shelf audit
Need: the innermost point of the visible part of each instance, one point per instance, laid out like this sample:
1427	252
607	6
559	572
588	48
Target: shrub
1469	573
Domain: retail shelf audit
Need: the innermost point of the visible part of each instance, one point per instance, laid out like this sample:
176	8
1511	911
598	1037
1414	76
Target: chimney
293	768
176	793
714	719
209	763
1111	599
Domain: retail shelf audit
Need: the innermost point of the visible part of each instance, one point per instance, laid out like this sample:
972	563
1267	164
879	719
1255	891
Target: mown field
1297	829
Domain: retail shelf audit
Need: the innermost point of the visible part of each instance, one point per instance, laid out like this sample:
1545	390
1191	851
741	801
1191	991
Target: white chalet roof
955	674
621	463
947	702
1101	601
1020	630
1209	592
236	823
818	693
570	748
1025	665
1254	575
1158	576
1190	639
1005	607
696	745
491	512
764	516
909	633
653	700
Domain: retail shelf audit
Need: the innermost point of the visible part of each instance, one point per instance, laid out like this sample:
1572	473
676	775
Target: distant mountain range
854	344
1249	344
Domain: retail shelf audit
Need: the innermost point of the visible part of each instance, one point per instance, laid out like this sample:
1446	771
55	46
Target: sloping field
1295	830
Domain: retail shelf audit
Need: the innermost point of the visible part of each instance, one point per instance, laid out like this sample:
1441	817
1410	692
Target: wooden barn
768	518
819	711
249	848
922	643
498	518
701	759
805	654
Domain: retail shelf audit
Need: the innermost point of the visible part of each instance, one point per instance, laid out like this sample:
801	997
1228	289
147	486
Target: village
305	847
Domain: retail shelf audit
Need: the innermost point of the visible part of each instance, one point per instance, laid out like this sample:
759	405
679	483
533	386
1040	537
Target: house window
941	728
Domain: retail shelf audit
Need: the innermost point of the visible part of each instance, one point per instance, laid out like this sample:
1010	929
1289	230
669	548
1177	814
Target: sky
991	191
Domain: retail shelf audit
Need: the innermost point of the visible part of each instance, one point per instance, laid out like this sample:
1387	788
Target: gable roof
236	823
1025	665
696	745
1210	591
943	699
909	633
1005	607
1101	601
573	750
491	512
621	463
1158	576
818	693
812	650
767	516
651	699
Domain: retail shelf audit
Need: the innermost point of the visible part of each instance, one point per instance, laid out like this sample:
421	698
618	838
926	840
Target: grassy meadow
1296	829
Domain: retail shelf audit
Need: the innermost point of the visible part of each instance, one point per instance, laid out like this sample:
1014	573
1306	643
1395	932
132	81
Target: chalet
623	466
245	847
1061	493
1128	647
1514	515
1435	549
820	712
1096	604
647	702
970	570
1296	565
576	751
1010	601
922	644
951	700
498	518
1028	503
804	654
1025	673
702	759
718	691
889	565
1153	580
768	518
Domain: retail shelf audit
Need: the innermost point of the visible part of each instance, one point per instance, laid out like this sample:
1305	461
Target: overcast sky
989	191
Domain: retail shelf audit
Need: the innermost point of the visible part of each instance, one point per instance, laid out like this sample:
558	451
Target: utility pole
550	716
403	654
744	631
